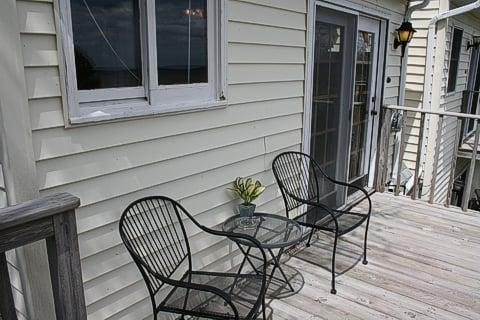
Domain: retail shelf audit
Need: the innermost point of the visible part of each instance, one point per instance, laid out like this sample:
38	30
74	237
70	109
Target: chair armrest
358	188
251	239
318	205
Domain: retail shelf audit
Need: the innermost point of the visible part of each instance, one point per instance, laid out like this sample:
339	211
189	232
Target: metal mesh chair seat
154	231
242	290
316	217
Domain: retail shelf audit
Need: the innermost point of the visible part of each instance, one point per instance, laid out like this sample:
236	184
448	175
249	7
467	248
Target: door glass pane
326	100
181	41
106	38
361	103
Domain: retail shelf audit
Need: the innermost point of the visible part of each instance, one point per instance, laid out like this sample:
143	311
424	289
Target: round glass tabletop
272	231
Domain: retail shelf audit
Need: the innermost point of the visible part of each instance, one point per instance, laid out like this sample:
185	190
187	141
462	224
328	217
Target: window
135	57
454	59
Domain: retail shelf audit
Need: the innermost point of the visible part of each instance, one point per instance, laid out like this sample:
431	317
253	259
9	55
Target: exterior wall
191	157
415	76
453	101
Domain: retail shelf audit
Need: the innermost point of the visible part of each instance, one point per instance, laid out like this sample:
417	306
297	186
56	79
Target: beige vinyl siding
191	157
415	78
452	101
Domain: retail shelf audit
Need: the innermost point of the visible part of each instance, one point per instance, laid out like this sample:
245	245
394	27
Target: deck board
423	264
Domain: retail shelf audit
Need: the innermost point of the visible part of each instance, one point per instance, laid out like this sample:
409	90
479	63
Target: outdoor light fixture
405	35
475	42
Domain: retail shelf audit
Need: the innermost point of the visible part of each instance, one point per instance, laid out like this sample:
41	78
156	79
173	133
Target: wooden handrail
458	139
444	113
37	209
51	218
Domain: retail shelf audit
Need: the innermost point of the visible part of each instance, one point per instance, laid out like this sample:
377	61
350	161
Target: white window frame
84	106
449	93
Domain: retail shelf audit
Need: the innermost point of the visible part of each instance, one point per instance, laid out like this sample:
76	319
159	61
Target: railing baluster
382	160
419	156
433	182
401	152
469	182
453	165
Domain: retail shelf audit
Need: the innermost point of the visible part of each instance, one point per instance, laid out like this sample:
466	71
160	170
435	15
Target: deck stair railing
426	117
51	218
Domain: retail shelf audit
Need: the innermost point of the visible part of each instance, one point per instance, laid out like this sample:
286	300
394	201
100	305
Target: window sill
142	110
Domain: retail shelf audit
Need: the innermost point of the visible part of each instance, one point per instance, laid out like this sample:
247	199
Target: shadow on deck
423	264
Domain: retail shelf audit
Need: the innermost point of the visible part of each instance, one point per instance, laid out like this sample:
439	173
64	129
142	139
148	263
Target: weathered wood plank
423	265
7	306
24	234
65	271
37	209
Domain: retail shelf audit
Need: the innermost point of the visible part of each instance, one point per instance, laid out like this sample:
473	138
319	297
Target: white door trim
310	53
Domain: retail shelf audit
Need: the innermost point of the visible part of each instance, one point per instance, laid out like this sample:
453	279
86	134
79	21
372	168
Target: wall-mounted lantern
404	36
475	42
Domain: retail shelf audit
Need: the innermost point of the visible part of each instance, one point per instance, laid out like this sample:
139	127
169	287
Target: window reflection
181	41
106	37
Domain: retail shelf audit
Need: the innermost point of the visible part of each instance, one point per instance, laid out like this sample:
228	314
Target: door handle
373	112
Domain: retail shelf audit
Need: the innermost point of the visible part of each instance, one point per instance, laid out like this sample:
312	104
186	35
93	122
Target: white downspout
403	81
432	26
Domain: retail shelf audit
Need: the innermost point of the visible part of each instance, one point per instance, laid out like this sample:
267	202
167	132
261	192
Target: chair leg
264	309
333	290
310	237
365	261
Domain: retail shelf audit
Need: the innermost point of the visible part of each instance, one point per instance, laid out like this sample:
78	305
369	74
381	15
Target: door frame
381	67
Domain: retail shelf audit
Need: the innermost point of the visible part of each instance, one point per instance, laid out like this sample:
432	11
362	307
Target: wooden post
471	171
65	272
7	305
382	159
401	151
419	156
52	218
433	182
453	164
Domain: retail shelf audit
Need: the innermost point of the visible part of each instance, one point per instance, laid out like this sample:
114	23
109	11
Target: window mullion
152	51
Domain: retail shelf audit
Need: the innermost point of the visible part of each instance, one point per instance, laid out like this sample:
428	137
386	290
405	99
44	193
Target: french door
344	86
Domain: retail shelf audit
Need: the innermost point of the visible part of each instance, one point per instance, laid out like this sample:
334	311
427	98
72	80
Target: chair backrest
300	177
154	234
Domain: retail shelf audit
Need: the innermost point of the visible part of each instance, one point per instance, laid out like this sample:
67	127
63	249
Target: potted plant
248	191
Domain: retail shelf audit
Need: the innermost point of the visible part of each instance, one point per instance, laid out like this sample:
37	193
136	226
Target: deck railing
51	218
427	120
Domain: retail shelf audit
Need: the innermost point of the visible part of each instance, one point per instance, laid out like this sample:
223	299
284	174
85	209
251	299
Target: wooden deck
424	263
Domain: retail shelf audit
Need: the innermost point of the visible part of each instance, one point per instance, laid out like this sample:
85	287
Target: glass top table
272	231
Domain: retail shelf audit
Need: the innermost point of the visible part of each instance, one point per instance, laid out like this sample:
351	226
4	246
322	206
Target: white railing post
419	156
453	165
468	185
401	151
435	160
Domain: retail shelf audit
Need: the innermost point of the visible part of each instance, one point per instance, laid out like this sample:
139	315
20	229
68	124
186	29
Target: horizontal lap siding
452	101
415	79
191	157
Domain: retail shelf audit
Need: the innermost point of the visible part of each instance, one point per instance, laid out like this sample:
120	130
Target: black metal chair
304	185
155	234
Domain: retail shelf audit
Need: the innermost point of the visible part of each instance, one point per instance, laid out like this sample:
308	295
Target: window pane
106	37
455	55
181	41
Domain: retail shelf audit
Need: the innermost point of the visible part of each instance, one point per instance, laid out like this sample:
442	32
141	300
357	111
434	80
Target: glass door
333	58
364	97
